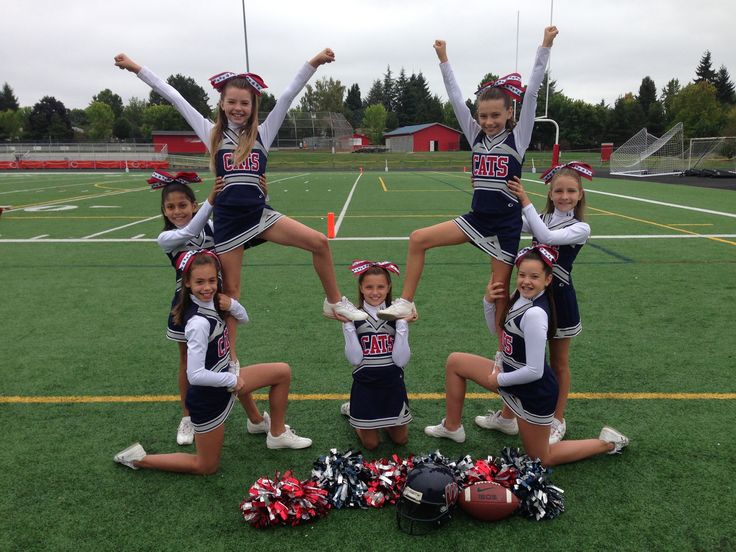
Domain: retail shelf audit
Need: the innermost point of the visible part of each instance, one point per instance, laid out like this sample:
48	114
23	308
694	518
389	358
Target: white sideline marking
120	227
40	237
362	238
104	206
345	207
137	236
663	203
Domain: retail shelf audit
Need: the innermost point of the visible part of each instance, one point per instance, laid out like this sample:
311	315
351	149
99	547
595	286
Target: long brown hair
579	210
374	270
185	301
497	94
247	133
552	324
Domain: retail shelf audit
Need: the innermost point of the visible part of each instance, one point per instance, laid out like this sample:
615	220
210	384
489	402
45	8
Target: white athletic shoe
263	427
288	439
440	430
344	308
610	435
401	308
127	456
185	432
557	432
345	409
493	420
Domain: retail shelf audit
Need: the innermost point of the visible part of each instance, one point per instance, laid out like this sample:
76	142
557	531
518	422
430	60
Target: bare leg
501	272
461	367
536	445
183	380
439	235
399	434
206	461
369	438
277	376
559	358
289	232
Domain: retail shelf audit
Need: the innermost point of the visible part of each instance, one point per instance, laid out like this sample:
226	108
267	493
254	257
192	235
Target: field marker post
330	226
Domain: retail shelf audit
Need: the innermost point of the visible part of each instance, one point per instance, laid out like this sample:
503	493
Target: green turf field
85	297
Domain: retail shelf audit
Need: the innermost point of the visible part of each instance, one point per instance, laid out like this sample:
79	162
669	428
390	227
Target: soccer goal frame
645	155
713	152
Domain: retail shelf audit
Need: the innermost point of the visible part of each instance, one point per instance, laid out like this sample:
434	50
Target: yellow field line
383	184
344	396
691	224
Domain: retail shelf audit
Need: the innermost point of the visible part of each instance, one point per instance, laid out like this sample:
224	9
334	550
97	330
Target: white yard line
46	188
345	207
120	227
39	239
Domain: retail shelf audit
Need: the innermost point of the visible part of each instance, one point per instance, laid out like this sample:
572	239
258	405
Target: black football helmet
428	498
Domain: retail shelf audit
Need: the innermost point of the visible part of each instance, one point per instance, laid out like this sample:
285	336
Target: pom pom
343	476
284	501
539	498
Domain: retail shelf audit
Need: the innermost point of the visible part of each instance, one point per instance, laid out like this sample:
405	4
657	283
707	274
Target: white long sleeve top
401	353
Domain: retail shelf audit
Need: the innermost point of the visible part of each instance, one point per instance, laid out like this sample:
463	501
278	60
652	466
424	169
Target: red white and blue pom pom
539	498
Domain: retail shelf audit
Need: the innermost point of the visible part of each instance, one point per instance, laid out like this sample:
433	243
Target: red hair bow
358	267
219	81
510	85
184	261
548	255
159	179
583	169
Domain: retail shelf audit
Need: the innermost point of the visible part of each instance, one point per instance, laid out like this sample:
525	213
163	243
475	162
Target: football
488	501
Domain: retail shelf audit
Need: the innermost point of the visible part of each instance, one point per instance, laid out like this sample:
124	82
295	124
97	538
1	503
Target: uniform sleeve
238	311
270	127
197	334
169	240
200	125
353	350
575	233
525	228
401	353
489	310
534	325
468	124
523	130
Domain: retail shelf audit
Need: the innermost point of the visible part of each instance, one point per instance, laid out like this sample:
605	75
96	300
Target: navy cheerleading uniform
494	222
378	350
198	234
241	214
209	399
527	385
563	232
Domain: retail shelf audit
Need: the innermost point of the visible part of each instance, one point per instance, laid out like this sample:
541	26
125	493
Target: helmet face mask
427	500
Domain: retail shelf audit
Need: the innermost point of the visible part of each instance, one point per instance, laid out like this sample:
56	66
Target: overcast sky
64	48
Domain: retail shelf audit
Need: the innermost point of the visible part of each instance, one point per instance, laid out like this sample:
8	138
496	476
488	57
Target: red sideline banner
65	164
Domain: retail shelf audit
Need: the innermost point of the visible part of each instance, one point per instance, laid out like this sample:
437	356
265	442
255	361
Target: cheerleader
213	387
378	350
560	226
187	227
494	222
520	373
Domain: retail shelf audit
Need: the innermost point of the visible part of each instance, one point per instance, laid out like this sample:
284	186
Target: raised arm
468	124
270	127
200	125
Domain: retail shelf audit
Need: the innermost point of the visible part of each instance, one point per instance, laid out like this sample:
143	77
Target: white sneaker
344	308
127	456
288	439
440	430
263	427
345	409
185	433
493	420
557	432
610	435
401	308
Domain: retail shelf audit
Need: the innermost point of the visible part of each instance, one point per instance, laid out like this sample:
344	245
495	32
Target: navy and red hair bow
583	169
358	267
159	178
219	80
546	253
510	85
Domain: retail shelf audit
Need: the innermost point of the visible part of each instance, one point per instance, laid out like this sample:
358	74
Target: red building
427	137
360	140
178	141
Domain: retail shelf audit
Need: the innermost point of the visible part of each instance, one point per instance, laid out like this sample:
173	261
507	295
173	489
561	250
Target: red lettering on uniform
507	343
252	163
476	157
502	169
491	165
223	344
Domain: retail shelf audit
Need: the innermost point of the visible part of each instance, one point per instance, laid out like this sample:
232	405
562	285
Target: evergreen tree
704	71
647	94
354	106
724	87
8	99
375	94
108	97
389	91
668	97
49	120
190	90
268	102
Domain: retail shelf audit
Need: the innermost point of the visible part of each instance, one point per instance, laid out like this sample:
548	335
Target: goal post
712	153
646	155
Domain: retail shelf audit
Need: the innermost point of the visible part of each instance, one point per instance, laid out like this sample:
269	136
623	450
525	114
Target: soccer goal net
716	153
646	155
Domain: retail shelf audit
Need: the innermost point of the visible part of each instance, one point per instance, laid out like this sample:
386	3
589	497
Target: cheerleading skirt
566	308
208	407
497	235
238	226
174	331
534	402
378	398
